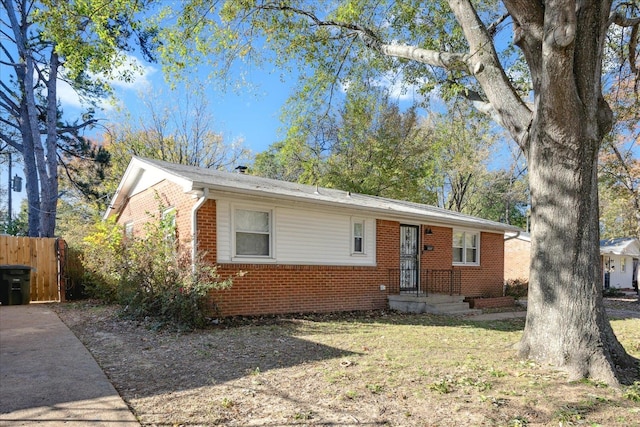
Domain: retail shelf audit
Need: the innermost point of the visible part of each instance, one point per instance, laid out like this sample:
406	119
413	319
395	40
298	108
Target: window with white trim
128	230
357	227
623	265
252	233
169	224
466	248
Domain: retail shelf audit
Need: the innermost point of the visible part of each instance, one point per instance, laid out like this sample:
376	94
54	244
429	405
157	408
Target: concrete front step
435	304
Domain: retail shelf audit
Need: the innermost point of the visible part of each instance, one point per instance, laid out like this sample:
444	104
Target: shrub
516	288
150	275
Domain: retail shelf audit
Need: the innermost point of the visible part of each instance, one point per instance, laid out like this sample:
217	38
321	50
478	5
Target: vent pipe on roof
242	169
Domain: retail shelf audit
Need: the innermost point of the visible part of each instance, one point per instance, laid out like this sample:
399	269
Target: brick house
517	250
619	260
310	249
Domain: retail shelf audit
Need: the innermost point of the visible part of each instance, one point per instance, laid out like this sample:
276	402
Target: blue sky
252	115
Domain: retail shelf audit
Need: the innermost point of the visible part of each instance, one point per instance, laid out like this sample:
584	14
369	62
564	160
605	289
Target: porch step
434	304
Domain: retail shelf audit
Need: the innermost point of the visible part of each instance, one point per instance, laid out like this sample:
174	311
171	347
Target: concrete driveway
48	378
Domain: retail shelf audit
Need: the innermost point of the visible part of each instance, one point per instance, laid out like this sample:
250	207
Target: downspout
194	226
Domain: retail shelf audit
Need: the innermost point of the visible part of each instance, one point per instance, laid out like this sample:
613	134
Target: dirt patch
350	369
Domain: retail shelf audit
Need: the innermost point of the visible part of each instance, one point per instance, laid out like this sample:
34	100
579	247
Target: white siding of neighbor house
619	278
300	236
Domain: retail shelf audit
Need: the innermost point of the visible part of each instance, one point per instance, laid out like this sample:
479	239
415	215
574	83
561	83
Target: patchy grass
354	369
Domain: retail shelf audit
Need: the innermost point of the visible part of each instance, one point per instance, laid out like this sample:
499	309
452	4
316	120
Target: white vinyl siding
301	236
620	270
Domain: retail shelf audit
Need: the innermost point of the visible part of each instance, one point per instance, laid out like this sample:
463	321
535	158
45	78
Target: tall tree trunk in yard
566	323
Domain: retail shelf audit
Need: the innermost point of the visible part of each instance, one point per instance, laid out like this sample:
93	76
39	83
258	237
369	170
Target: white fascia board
132	176
128	181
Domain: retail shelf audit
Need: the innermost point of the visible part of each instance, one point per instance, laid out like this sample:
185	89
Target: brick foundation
481	303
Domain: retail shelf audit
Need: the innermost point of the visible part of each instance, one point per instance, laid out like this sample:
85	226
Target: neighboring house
620	262
311	249
517	250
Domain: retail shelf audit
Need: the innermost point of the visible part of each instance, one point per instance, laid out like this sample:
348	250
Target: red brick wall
516	259
140	207
492	302
487	279
441	256
483	280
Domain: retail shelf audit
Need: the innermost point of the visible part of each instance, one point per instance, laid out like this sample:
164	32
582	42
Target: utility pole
9	188
13	184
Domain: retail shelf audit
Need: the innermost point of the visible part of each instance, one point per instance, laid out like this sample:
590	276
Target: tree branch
75	128
620	19
483	60
11	142
494	25
449	61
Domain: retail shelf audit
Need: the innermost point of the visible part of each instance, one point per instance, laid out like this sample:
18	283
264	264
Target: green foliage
632	392
517	288
149	275
368	146
19	224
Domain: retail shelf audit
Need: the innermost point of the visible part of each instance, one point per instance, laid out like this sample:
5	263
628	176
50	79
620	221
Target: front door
408	257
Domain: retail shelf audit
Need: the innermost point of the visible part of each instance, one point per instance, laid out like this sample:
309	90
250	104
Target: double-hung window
252	233
466	248
358	236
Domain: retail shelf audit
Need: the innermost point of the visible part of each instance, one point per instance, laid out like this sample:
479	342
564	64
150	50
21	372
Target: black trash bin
15	284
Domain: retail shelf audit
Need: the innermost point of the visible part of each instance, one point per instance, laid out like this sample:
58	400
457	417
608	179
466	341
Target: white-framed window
623	264
169	221
252	229
128	230
357	236
466	247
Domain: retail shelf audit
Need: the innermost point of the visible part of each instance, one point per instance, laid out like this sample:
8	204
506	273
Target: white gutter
513	237
194	226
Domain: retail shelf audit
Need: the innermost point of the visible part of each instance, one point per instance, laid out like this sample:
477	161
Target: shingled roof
195	180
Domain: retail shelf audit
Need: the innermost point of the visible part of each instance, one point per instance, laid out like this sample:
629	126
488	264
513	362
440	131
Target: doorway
409	254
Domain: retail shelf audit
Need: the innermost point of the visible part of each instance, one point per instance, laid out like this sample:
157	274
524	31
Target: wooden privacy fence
43	255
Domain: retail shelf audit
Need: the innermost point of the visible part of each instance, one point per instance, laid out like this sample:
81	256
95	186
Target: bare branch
494	25
450	61
619	18
483	61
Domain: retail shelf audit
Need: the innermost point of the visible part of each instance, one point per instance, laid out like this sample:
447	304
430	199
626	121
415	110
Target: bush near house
516	288
149	275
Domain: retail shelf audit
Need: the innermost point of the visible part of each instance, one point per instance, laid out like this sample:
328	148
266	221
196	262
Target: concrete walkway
497	316
48	378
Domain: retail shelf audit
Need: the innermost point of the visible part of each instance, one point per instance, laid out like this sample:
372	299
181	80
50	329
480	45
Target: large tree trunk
49	174
566	322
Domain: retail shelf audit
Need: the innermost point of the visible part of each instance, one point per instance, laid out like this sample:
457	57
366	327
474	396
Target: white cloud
139	80
397	89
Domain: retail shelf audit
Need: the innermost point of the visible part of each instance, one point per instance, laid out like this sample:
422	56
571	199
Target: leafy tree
620	165
556	61
504	193
45	42
368	146
462	143
177	128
